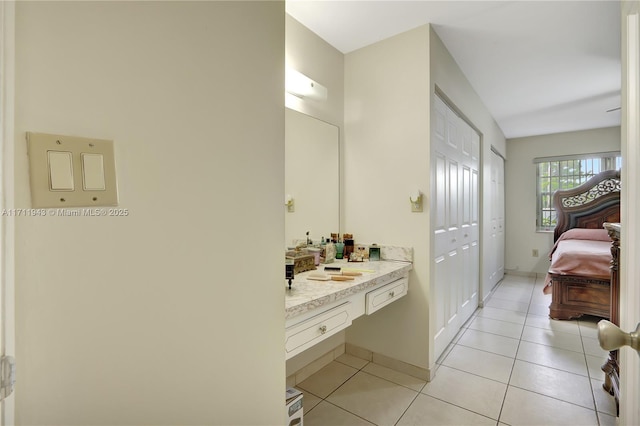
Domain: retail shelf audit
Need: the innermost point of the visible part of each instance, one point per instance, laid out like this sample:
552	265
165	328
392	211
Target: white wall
520	188
174	314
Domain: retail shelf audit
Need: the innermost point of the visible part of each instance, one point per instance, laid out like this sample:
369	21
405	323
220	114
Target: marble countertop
308	294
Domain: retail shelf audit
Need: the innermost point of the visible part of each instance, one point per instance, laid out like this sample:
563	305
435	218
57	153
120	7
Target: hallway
510	364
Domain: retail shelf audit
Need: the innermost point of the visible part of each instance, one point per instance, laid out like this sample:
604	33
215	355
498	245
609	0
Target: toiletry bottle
329	253
374	252
323	254
348	245
339	250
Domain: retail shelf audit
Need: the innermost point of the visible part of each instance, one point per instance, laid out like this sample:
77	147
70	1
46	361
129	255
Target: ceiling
540	67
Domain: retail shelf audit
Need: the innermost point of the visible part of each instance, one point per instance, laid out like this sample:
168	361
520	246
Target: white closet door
454	206
469	234
501	225
495	257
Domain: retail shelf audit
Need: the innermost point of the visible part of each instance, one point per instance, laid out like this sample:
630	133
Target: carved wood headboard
589	205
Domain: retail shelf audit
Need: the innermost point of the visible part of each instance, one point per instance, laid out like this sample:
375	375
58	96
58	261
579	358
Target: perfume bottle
339	250
349	246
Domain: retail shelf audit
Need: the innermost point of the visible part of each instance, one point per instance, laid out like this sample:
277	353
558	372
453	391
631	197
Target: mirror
312	177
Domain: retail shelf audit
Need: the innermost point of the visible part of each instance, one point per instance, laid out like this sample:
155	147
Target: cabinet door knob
392	293
611	337
323	329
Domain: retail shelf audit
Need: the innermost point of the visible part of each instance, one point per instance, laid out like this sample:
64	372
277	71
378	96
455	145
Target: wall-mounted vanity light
416	200
288	201
302	86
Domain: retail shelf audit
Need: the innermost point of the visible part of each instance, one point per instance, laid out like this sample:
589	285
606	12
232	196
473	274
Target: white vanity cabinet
381	297
307	333
316	310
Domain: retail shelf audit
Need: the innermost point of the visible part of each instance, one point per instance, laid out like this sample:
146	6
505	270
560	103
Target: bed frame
589	205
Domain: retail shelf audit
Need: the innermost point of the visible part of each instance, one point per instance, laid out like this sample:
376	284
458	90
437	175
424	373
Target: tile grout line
343	409
361	370
552	397
586	364
451	403
504	398
385	378
464	329
373	375
338	387
593	396
408	406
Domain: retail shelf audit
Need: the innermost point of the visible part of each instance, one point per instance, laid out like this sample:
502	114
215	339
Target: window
567	172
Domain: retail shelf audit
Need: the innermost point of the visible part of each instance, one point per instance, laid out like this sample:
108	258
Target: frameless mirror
312	177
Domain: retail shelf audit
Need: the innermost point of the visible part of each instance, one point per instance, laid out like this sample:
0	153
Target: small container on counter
316	254
329	252
374	252
349	246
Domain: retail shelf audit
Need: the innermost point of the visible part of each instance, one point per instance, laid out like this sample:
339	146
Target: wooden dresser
611	368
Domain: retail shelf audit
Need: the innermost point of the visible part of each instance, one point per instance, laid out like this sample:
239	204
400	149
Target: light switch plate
39	145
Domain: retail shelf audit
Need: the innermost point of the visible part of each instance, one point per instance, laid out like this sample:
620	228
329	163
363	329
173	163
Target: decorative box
301	263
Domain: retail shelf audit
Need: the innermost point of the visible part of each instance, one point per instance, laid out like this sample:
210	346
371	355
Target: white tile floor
509	365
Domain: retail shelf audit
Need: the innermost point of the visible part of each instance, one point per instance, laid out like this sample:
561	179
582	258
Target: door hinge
7	376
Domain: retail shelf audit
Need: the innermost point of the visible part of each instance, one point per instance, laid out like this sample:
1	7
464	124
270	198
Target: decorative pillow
586	234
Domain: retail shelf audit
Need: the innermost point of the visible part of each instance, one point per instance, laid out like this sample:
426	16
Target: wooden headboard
589	205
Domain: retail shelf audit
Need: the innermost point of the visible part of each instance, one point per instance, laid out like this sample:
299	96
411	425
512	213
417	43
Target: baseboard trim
313	367
392	363
520	273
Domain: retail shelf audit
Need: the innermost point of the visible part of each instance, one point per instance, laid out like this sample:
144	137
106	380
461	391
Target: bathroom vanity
315	310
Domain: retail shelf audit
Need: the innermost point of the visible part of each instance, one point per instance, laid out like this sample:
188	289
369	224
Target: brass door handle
611	337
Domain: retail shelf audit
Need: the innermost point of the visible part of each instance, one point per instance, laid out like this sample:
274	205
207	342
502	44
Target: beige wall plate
70	171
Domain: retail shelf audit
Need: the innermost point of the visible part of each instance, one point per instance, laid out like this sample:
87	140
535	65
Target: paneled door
455	151
495	256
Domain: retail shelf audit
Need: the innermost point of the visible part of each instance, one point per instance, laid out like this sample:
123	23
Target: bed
579	277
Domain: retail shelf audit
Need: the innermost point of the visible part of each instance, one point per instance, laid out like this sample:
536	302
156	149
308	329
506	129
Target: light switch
60	171
92	172
71	171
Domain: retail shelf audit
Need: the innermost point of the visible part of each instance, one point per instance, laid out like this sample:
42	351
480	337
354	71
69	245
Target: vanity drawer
386	294
307	333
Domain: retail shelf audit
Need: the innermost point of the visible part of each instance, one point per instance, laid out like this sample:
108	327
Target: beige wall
520	188
167	316
388	90
386	156
447	76
317	59
309	54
